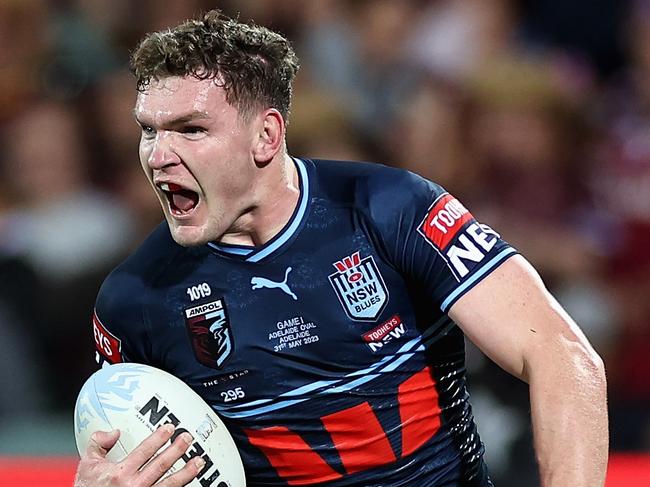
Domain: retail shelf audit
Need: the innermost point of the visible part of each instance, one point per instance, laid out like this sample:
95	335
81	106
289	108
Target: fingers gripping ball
136	399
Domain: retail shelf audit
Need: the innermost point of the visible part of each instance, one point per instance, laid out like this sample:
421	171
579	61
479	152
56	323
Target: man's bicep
513	319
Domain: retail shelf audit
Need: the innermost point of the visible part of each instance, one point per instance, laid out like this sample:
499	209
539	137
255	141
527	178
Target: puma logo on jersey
262	282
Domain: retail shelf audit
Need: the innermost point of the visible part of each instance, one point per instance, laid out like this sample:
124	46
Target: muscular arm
518	324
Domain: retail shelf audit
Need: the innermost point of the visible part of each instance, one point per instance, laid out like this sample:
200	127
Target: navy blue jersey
328	351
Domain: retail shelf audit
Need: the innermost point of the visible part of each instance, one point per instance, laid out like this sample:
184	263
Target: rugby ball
136	399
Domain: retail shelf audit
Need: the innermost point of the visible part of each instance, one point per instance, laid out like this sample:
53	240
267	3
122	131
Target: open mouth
181	201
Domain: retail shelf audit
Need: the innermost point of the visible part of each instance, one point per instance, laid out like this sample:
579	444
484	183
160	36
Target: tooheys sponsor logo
157	415
389	330
108	345
443	221
451	229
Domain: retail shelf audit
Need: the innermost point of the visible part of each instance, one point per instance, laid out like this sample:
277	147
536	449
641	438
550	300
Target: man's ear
270	136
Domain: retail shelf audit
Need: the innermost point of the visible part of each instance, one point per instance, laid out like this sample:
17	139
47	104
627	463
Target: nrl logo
359	287
209	329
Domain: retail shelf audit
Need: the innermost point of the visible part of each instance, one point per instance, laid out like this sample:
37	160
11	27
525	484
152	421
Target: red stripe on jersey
444	220
419	410
291	456
359	438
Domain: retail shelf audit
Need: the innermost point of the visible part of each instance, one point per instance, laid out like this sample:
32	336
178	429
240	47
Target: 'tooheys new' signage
108	346
451	229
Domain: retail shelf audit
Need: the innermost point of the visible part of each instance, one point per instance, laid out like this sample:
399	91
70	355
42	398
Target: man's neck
277	195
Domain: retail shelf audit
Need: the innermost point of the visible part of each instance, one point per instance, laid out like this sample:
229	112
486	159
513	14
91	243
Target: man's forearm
569	411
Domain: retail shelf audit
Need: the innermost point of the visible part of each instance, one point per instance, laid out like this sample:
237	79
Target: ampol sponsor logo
209	329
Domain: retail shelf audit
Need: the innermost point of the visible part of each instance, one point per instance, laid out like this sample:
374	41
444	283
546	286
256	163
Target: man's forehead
169	95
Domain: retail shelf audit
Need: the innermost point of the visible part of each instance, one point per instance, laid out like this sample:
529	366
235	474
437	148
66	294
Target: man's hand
136	470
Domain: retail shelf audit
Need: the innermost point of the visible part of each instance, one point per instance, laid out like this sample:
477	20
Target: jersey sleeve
432	238
118	321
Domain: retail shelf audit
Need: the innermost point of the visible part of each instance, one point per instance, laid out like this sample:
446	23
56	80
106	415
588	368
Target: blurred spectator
133	191
23	39
285	16
314	111
80	53
152	17
58	222
530	138
20	364
585	29
454	38
622	181
427	136
115	135
355	52
67	231
331	53
528	141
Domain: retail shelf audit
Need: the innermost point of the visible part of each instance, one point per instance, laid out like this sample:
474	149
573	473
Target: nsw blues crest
209	330
359	287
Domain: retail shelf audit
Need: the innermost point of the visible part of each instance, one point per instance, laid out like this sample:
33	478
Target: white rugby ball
136	399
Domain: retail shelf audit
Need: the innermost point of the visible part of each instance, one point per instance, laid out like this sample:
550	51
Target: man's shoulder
368	182
120	309
373	187
140	269
360	171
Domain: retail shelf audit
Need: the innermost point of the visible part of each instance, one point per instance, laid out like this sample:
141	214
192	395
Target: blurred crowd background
536	114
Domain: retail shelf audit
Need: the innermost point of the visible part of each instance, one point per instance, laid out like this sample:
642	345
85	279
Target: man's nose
163	153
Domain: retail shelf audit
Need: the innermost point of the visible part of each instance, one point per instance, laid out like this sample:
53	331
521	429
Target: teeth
170	187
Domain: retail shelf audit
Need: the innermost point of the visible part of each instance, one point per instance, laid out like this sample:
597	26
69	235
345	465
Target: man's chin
188	236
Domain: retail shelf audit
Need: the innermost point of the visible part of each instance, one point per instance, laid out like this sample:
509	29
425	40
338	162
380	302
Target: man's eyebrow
189	117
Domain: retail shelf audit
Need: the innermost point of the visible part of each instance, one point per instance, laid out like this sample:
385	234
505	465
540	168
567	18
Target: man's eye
193	129
148	132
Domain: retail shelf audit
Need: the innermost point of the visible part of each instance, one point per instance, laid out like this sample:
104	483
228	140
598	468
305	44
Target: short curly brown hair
255	65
